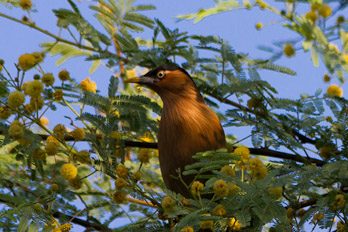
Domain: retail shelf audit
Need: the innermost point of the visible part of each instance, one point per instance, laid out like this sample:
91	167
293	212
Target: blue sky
237	27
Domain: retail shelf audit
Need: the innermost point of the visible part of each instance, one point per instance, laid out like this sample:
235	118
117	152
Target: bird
187	124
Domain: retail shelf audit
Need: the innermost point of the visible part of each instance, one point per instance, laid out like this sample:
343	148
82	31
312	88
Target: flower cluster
257	168
196	188
68	171
168	203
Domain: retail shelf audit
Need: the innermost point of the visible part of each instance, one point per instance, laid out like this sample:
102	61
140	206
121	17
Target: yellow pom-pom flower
340	19
326	78
243	152
120	183
228	170
88	85
334	90
59	130
78	134
51	139
289	51
68	171
119	197
220	188
64	75
122	171
5	112
136	176
312	16
44	121
65	227
58	95
37	103
324	10
25	4
16	99
234	224
76	183
51	149
26	62
187	229
258	26
257	168
16	130
196	188
219	210
144	155
34	88
38	56
339	202
276	192
168	203
206	224
290	213
48	79
39	154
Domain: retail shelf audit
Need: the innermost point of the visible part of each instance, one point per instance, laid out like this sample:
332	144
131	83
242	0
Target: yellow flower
257	168
340	19
48	79
254	103
5	112
300	213
38	56
37	103
220	188
168	203
324	10
78	134
34	88
341	226
59	130
58	94
187	229
327	78
326	151
64	75
120	183
219	210
38	207
68	171
16	99
54	187
122	171
345	57
44	121
39	154
76	183
311	15
119	197
258	26
243	152
290	213
333	47
88	85
340	202
25	4
16	130
289	51
26	62
51	149
196	188
65	227
131	73
317	217
315	6
51	139
144	155
236	226
276	192
335	91
206	224
228	171
136	176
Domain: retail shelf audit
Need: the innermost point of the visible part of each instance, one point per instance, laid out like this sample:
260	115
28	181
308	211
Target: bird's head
167	80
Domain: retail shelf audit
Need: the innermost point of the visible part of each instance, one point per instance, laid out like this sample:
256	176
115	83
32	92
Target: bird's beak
140	80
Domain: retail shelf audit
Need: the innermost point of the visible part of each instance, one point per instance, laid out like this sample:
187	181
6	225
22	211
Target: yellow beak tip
132	80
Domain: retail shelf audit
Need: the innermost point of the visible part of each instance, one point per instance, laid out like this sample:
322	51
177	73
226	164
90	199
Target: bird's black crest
169	67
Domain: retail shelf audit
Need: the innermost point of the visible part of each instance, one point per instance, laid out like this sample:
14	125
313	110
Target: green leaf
315	57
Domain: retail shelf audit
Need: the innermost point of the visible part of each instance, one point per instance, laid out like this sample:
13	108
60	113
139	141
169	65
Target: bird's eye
161	74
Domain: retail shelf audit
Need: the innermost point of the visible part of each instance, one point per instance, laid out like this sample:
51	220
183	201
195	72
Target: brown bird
187	124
